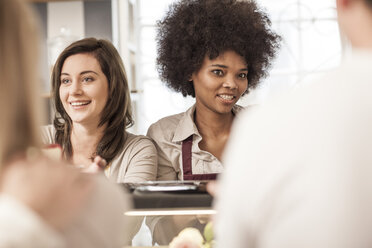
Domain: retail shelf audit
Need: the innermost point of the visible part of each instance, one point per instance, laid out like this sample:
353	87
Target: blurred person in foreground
299	170
43	202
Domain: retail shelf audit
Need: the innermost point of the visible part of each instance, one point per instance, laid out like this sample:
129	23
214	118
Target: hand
212	188
55	191
98	165
184	244
53	151
187	238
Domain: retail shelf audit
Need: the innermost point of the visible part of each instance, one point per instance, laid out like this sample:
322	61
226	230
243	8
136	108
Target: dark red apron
187	165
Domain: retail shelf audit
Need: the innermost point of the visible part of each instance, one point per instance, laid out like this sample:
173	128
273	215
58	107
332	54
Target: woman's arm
142	162
166	170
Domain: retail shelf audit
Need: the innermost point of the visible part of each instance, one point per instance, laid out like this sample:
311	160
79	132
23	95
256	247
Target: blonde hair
19	107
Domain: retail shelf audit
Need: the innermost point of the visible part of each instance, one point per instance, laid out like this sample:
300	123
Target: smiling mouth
77	104
227	97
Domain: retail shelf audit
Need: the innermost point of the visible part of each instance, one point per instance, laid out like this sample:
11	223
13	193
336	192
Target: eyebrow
81	73
224	66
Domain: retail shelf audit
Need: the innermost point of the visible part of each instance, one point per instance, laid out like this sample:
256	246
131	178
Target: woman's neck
84	141
211	124
214	129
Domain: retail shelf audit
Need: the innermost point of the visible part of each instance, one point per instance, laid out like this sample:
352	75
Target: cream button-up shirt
135	163
168	134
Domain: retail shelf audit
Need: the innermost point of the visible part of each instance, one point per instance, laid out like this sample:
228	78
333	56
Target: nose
75	88
230	82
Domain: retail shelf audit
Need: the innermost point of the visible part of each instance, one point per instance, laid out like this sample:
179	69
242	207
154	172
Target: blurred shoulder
102	224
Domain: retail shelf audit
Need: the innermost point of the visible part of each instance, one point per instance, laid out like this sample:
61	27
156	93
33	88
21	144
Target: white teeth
79	103
227	97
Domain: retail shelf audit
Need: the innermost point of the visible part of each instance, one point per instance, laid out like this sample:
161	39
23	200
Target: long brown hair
118	111
19	124
369	2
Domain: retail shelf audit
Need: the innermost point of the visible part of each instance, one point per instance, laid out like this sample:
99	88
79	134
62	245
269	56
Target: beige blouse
168	134
137	162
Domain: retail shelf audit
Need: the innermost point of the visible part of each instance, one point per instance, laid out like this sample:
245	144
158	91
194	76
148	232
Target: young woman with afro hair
215	51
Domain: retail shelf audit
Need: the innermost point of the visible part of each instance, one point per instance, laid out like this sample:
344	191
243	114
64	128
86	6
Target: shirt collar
186	127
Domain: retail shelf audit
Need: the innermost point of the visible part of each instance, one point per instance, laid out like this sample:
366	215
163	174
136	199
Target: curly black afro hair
193	29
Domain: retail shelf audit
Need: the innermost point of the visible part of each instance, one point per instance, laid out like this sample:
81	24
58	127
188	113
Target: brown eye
218	72
243	75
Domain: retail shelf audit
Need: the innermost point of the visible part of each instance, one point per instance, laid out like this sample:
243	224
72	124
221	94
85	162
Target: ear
190	78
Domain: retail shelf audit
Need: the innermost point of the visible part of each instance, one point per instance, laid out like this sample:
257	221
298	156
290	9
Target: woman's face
84	89
220	82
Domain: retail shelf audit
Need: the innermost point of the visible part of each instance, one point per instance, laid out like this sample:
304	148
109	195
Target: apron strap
186	156
187	165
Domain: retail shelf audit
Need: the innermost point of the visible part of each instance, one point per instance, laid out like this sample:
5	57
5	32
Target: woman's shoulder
137	138
165	126
47	134
138	142
136	145
169	121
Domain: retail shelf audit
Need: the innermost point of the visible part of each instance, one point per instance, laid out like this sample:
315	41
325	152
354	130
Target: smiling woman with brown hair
93	111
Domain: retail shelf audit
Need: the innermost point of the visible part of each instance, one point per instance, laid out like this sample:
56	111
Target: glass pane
270	88
159	101
147	44
322	47
289	54
152	11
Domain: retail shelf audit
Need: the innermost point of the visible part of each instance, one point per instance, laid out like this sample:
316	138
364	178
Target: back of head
18	79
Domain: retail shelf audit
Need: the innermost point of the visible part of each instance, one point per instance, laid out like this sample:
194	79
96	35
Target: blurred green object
208	235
